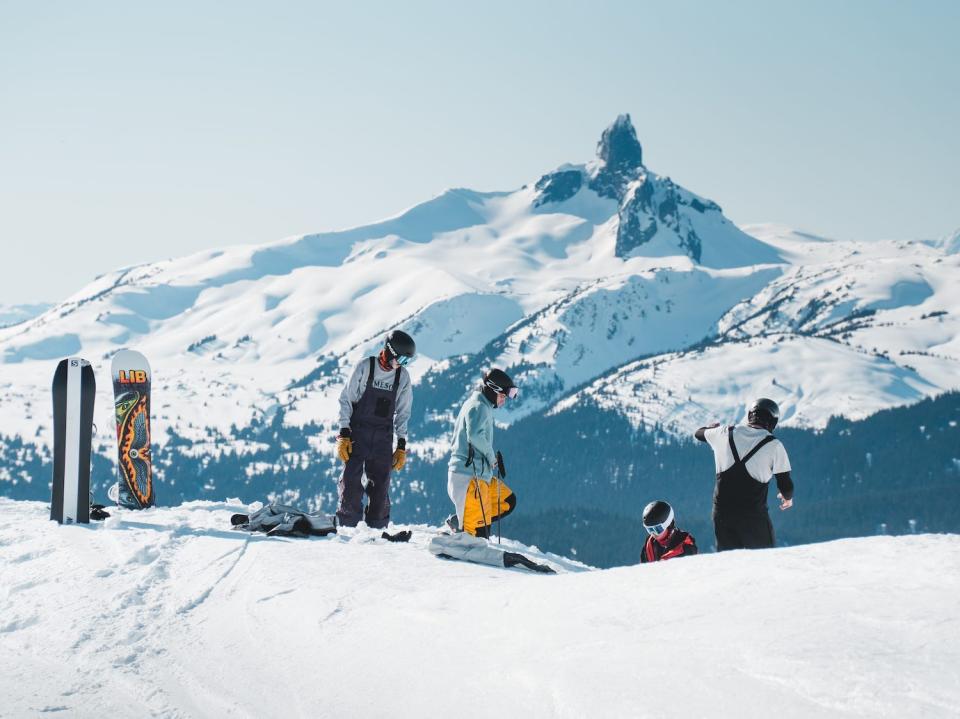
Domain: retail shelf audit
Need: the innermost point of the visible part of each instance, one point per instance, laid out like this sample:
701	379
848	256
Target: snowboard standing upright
131	399
74	390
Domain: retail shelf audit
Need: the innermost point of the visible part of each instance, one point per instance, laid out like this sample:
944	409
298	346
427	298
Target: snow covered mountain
602	280
14	314
950	243
175	615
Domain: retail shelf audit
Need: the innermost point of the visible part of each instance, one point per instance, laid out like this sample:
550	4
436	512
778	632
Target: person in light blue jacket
471	450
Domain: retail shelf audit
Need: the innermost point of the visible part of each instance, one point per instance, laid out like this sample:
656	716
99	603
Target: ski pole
502	471
476	491
499	512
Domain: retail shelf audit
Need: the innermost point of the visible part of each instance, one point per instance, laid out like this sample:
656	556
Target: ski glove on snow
344	445
403	536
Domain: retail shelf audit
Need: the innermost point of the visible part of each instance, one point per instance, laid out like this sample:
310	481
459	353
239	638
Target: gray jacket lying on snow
282	520
468	548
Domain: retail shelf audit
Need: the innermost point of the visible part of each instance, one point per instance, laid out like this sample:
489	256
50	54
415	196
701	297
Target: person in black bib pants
747	458
375	401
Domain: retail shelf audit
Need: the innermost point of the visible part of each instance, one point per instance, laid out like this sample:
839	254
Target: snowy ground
168	612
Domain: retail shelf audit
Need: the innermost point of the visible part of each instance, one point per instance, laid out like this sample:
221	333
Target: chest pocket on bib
383	408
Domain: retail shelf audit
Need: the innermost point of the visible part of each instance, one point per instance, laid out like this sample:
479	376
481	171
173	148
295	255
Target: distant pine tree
581	477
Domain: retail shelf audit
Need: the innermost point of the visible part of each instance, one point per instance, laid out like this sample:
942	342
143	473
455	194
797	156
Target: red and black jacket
678	544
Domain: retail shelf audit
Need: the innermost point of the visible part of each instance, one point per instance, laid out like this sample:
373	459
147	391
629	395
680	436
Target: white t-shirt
770	460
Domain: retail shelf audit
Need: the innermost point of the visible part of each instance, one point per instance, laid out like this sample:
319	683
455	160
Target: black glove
403	536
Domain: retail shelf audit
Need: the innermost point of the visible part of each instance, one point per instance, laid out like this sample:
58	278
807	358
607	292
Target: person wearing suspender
746	459
375	402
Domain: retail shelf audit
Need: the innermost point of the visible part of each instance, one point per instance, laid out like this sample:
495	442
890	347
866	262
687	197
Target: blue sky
131	132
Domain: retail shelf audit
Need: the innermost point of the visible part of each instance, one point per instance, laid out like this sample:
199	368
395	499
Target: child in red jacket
665	540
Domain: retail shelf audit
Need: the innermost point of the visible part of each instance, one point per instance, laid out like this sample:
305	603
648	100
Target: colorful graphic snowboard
74	391
131	400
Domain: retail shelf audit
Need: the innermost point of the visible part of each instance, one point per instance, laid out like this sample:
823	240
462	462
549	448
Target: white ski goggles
656	530
511	392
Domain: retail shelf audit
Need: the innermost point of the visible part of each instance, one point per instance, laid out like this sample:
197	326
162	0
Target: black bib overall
740	518
371	428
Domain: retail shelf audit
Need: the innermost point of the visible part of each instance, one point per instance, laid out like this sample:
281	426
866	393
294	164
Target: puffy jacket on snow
282	520
468	548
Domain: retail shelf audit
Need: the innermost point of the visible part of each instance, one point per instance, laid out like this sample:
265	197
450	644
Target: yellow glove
399	459
344	447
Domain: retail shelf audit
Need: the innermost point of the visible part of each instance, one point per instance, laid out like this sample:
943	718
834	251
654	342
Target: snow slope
170	613
14	314
857	328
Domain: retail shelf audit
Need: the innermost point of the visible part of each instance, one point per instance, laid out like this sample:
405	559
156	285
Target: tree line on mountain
895	472
582	476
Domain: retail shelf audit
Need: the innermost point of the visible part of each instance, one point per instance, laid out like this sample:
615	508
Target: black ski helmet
400	344
657	517
764	413
498	381
495	382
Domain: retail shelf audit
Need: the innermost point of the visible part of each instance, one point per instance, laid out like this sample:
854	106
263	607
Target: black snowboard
74	390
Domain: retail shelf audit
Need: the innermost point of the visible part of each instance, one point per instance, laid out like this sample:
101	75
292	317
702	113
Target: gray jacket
474	426
468	548
283	520
357	383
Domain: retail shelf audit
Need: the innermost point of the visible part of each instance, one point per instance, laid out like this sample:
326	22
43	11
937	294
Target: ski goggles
404	360
655	530
511	392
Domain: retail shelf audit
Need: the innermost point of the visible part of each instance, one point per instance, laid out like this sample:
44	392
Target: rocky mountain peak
619	149
621	159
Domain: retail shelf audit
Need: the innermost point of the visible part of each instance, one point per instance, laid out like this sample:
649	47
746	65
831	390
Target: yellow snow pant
486	502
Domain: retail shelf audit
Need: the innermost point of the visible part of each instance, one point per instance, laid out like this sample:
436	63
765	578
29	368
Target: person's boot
453	524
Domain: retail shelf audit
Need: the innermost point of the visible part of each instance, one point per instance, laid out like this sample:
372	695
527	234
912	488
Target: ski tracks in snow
135	581
231	565
125	630
16	611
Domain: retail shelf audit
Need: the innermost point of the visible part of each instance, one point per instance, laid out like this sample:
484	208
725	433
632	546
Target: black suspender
736	455
396	378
